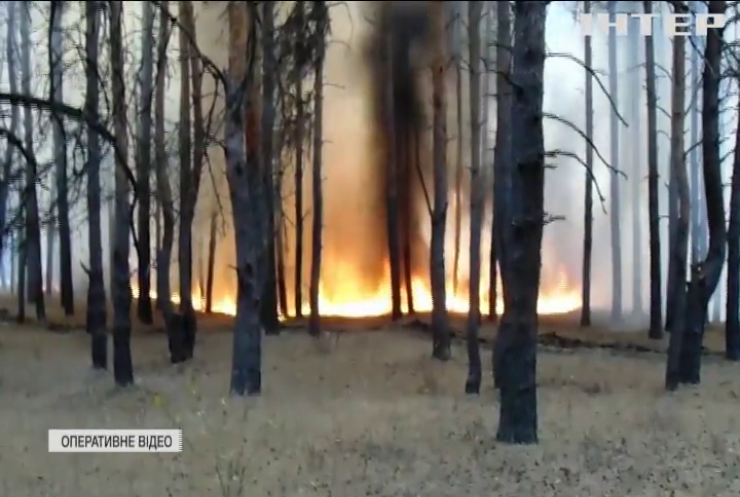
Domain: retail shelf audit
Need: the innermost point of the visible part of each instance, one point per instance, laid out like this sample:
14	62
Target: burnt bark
321	17
679	245
732	320
502	150
457	42
706	274
211	263
440	322
96	299
11	58
392	171
472	384
164	195
297	82
143	165
32	250
185	147
269	308
502	161
122	365
522	231
588	216
56	55
656	296
247	199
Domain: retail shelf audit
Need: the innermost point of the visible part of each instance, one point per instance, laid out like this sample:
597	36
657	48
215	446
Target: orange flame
561	299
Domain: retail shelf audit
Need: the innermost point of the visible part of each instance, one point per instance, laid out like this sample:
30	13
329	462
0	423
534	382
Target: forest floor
364	414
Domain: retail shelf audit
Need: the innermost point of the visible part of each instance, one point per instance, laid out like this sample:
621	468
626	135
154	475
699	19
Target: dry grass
372	417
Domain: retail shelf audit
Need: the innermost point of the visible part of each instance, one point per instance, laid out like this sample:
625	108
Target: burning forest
276	161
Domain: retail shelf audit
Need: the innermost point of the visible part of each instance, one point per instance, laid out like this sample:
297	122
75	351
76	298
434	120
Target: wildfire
561	299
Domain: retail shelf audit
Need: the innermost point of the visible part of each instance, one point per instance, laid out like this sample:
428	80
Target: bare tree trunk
211	262
614	205
297	82
65	236
199	153
185	238
247	200
143	164
472	385
588	216
705	275
35	291
679	249
674	281
321	16
20	244
164	195
413	160
269	303
55	55
96	298
656	297
459	157
522	231
440	325
637	174
732	320
122	366
502	150
694	150
392	169
11	46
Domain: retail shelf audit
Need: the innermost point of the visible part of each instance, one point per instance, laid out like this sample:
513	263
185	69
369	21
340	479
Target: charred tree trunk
297	81
60	152
413	163
472	385
732	320
522	231
392	170
199	154
440	324
502	150
143	164
705	275
96	299
656	297
35	290
588	216
679	247
269	308
185	234
122	366
457	40
164	195
247	200
614	199
321	17
20	245
11	46
211	263
694	150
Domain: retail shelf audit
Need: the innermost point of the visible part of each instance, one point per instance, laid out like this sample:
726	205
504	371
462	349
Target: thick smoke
406	23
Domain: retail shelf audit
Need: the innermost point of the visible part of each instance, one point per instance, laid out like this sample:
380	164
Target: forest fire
561	298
